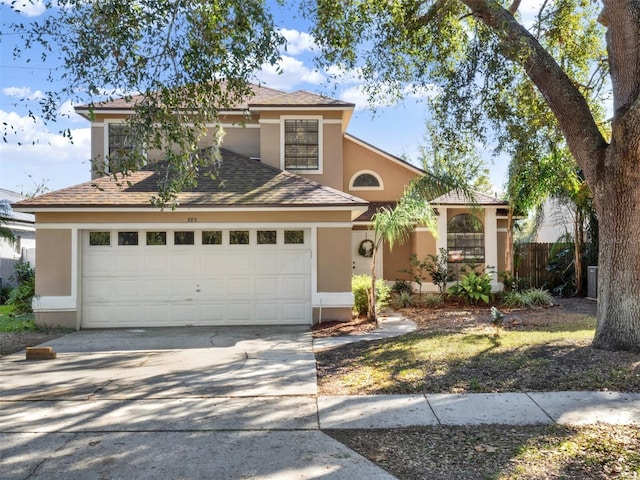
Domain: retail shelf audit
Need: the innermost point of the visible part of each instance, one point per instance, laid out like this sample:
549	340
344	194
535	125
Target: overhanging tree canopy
476	53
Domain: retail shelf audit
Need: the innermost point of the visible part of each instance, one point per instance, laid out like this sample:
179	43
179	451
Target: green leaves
177	63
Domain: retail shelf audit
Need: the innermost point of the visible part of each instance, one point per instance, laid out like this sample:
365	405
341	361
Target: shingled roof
239	182
261	97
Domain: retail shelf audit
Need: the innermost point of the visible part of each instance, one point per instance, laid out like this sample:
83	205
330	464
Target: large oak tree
476	52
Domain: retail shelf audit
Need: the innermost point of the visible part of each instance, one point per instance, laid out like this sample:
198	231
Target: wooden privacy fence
531	262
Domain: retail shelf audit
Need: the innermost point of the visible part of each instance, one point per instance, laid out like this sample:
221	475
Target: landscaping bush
21	296
472	288
432	300
402	286
538	296
4	294
527	298
360	286
403	300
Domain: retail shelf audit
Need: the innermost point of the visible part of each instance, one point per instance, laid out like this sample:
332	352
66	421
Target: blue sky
54	161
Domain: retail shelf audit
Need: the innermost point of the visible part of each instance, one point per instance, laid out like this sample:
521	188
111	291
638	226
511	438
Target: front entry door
359	264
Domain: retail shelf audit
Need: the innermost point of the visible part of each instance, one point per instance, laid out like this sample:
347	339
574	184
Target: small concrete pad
374	411
583	408
391	326
486	408
261	455
203	414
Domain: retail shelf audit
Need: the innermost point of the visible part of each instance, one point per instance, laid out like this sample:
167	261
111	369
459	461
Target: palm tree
394	225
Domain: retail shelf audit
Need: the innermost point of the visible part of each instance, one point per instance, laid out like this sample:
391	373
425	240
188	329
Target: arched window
366	180
465	239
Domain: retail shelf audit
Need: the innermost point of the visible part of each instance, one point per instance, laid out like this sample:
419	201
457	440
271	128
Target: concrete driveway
220	403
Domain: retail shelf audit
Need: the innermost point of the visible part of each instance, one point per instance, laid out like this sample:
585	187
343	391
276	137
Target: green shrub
538	296
437	266
402	286
515	299
360	286
472	288
4	294
432	300
528	298
21	297
403	300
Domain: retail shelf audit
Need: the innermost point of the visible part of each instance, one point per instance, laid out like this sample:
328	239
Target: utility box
592	282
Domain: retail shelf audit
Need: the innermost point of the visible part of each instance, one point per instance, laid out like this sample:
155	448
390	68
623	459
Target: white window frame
366	172
105	152
319	118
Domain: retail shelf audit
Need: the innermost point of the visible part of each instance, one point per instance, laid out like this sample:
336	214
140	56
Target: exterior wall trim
194	226
332	299
357	208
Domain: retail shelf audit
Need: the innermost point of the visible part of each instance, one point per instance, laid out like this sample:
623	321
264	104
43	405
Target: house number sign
192	219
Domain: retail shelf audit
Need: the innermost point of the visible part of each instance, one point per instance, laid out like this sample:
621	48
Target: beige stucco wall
53	258
395	176
502	242
188	217
65	319
334	259
395	260
270	144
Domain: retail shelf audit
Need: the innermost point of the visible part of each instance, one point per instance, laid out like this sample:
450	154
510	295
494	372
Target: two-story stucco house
274	239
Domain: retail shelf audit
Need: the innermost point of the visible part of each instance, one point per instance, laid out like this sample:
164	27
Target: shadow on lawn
437	362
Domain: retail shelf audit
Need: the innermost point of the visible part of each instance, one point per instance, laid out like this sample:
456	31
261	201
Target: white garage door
156	277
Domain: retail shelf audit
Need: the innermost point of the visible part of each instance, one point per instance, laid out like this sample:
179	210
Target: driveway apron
223	403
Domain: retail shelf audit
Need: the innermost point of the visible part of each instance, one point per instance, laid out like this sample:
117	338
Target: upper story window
366	180
301	145
119	144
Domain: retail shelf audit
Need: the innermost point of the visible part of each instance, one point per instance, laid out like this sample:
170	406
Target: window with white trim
465	239
119	145
301	146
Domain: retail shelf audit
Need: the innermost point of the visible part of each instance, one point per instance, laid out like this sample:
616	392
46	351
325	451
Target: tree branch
570	108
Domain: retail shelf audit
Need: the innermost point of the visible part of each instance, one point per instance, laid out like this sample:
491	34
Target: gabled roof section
457	198
300	98
393	158
263	97
240	182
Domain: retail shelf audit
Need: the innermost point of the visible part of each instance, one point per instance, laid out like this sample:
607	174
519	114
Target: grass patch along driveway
457	352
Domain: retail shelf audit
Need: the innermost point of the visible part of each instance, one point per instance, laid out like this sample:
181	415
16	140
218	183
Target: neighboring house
24	231
558	220
274	239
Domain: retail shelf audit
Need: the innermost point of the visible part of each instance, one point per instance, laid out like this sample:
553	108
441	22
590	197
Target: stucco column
441	241
491	243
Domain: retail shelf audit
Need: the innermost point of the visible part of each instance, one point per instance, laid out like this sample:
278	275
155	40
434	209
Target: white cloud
28	8
23	92
298	42
293	72
35	151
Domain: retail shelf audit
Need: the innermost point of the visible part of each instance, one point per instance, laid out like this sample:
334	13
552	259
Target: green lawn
552	357
18	323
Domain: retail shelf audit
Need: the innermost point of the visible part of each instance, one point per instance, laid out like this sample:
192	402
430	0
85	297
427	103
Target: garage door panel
97	264
266	287
240	287
295	313
240	262
127	263
145	285
238	313
294	286
213	288
297	262
184	263
157	263
157	315
267	263
156	289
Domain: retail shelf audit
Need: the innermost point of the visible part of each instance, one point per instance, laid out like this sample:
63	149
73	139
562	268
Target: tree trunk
508	250
618	206
372	314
